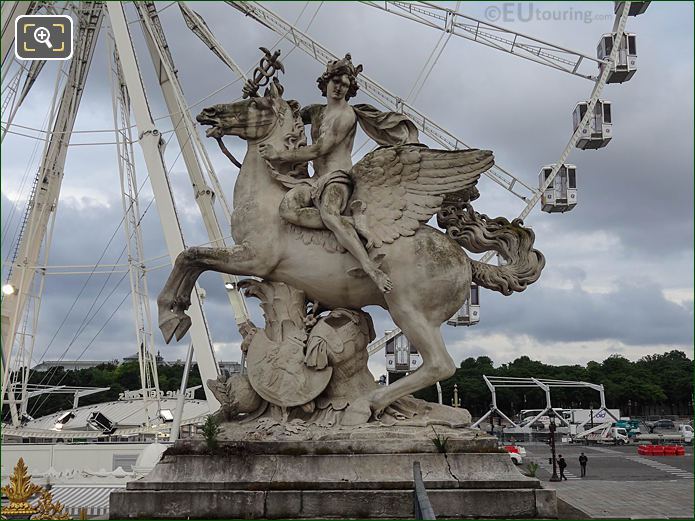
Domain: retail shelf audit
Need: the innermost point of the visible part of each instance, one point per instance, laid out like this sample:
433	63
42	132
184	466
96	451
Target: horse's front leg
175	297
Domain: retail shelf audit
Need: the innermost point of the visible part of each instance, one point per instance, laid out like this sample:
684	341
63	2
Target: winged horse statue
397	189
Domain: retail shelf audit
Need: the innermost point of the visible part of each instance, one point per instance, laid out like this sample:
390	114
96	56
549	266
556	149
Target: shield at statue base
278	373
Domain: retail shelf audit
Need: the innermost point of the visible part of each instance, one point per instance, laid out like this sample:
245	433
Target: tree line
655	385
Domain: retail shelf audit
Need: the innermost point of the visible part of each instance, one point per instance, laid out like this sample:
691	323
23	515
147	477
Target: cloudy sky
619	272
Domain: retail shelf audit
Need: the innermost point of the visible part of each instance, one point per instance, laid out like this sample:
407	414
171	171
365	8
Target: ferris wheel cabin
625	64
469	314
401	355
561	194
599	131
636	8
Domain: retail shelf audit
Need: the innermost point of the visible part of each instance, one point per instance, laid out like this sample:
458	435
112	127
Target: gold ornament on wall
21	489
47	509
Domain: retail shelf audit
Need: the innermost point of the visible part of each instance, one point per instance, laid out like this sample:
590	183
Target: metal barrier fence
423	507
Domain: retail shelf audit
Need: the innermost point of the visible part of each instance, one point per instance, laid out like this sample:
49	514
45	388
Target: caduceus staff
266	69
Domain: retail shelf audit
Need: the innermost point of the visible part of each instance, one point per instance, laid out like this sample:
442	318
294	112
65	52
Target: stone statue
348	237
320	202
308	369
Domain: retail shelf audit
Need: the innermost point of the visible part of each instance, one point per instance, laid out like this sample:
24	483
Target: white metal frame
371	88
193	152
10	12
545	384
491	35
32	390
48	182
619	29
13	99
192	149
493	407
187	135
139	292
198	26
277	24
150	141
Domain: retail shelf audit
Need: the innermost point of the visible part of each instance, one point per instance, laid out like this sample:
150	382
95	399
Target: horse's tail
478	233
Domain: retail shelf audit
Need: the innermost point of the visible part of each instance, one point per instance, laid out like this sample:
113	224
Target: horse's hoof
183	327
168	328
357	413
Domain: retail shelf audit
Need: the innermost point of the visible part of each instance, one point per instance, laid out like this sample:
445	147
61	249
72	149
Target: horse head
253	119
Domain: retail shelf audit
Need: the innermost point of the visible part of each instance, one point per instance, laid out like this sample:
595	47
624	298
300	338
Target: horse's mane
296	138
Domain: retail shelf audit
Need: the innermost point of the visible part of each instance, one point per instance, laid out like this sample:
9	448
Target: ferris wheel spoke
269	19
491	35
10	11
446	20
194	153
198	26
45	200
154	162
619	30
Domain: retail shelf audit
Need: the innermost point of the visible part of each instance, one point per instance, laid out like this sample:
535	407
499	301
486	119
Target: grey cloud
639	189
634	314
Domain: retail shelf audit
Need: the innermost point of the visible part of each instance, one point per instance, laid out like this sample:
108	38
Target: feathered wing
397	188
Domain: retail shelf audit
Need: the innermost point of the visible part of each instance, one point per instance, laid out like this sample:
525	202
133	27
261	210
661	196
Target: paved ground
629	499
620	483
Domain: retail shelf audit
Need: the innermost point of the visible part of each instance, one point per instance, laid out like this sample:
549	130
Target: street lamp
591	414
554	477
455	401
8	289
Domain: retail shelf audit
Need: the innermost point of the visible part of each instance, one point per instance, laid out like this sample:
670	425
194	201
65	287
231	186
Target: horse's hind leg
436	365
174	298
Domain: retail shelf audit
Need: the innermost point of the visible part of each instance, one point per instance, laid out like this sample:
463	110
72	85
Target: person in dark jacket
582	463
563	465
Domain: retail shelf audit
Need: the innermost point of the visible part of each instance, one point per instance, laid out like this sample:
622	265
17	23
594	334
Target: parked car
516	453
665	424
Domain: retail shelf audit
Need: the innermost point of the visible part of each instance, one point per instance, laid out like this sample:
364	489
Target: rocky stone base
333	479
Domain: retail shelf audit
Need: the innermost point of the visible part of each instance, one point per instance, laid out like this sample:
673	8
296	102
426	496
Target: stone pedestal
338	478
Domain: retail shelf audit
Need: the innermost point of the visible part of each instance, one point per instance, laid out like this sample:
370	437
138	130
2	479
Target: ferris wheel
555	190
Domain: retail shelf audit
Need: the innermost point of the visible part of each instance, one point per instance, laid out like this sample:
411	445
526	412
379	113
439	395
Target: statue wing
397	188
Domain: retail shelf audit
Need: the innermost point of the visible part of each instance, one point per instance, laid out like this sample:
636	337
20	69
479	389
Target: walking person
563	465
582	463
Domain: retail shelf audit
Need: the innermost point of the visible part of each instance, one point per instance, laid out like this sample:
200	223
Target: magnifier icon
42	35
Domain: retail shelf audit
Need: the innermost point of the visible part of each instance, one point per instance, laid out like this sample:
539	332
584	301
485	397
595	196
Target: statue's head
343	74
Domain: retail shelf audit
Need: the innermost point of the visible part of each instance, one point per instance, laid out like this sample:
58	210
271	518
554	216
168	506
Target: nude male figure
333	136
